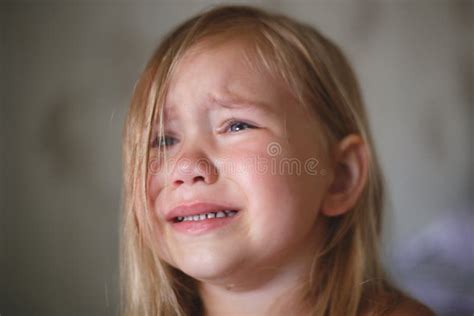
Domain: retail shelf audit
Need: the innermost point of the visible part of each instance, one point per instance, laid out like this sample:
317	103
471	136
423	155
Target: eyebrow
232	101
227	101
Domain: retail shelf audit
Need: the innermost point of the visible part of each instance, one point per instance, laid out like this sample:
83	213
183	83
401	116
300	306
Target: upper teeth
199	217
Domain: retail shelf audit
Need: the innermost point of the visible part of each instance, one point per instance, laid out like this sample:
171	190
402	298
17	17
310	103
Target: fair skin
266	250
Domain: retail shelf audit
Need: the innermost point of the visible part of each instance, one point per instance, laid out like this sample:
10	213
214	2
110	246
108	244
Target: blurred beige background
67	73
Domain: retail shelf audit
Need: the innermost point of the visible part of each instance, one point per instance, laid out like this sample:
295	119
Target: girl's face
236	137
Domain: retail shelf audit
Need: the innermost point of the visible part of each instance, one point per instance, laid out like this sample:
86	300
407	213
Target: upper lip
195	208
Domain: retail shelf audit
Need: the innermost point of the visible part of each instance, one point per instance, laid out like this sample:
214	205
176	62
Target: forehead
220	74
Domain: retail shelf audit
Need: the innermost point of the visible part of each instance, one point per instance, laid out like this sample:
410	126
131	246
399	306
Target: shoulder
410	307
394	303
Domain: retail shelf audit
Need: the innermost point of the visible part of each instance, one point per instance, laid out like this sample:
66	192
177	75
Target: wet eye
163	141
236	126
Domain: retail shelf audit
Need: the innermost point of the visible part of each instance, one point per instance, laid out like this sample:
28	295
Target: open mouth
205	216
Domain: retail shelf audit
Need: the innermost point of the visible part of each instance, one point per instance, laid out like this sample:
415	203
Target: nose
193	167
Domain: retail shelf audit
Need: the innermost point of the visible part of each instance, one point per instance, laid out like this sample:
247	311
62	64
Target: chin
213	268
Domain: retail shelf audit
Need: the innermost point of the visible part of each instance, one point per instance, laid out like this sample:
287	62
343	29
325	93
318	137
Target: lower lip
203	226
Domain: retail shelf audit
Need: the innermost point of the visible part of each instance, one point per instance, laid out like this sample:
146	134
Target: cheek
156	181
156	198
154	187
284	198
160	234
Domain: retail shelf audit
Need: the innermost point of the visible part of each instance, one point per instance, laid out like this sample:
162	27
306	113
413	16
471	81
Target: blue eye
236	126
233	127
163	141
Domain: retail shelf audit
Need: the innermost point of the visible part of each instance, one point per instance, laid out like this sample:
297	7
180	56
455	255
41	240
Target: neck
267	300
269	292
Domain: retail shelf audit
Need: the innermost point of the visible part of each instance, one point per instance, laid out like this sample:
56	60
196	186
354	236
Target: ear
349	175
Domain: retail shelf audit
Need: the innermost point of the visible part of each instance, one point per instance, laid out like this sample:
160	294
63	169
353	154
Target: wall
68	70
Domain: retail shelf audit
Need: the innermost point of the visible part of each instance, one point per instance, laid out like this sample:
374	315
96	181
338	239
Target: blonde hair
347	276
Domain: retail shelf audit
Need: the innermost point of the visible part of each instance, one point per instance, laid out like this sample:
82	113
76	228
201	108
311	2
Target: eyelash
229	124
156	142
